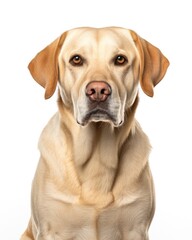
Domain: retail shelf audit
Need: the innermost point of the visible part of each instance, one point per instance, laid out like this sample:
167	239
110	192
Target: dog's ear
44	66
153	64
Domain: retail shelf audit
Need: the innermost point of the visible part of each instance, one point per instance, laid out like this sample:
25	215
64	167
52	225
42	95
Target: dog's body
93	180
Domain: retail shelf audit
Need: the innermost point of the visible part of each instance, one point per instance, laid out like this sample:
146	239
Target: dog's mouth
99	114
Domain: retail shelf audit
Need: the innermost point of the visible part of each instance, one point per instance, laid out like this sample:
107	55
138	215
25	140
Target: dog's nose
98	91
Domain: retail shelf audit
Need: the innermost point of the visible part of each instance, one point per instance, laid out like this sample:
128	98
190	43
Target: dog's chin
100	116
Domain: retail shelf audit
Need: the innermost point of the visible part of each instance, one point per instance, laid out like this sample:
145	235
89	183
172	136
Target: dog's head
98	71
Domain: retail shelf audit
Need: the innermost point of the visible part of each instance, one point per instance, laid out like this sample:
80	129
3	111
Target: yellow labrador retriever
93	180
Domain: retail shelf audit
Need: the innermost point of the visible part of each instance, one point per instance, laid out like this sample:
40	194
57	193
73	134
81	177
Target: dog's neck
97	137
97	149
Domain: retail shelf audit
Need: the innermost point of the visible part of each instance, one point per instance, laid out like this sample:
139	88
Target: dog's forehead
98	38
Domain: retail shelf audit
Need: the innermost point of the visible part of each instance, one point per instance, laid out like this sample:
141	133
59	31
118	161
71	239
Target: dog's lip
99	114
97	110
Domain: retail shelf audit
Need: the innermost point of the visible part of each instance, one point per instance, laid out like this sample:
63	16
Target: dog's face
99	71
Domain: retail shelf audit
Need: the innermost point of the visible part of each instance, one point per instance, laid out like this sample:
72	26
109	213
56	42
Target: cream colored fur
93	180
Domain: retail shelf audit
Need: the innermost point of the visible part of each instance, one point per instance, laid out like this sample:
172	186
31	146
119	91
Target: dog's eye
76	60
120	60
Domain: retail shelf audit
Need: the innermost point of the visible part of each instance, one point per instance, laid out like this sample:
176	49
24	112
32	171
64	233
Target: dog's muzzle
100	106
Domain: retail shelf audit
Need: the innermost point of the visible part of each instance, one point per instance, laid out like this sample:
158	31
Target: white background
28	26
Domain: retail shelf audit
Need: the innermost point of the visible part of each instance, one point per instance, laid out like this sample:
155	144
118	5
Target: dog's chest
90	194
82	222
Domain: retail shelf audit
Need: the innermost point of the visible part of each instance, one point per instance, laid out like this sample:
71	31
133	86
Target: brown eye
120	60
76	60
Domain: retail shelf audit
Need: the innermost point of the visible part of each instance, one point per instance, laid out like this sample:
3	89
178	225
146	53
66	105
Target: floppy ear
44	66
153	64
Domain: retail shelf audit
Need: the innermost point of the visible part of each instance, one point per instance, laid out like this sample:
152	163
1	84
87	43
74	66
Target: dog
93	180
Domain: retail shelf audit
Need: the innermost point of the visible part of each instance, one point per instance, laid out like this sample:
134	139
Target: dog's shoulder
137	146
52	139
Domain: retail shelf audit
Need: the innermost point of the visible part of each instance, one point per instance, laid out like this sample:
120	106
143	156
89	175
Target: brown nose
98	91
